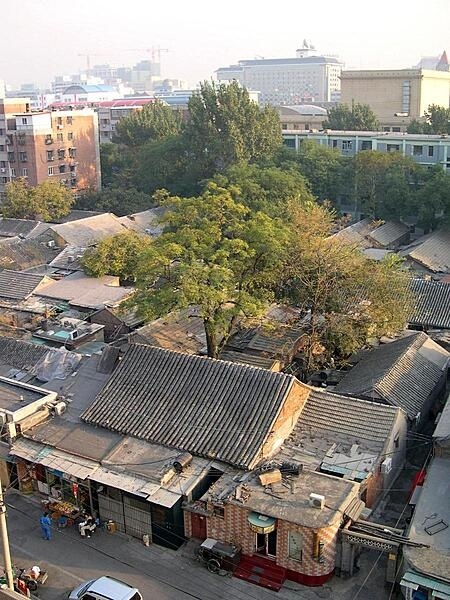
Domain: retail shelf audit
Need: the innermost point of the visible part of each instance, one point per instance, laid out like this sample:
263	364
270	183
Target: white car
105	588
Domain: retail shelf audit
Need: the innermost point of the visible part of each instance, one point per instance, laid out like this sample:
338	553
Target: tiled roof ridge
416	341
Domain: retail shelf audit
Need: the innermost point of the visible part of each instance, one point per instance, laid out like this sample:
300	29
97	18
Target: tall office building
307	78
57	145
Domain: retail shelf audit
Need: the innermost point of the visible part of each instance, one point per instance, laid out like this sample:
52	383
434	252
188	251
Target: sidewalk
159	573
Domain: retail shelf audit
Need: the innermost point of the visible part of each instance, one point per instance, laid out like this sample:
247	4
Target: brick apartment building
58	145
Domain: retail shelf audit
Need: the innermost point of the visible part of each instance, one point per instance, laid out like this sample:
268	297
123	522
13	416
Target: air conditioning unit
51	244
59	127
59	408
2	170
317	501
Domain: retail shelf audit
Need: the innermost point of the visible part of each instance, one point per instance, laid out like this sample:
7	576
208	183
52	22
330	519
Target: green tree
267	189
226	127
357	117
349	298
47	201
120	201
384	183
154	121
437	121
432	202
116	255
214	254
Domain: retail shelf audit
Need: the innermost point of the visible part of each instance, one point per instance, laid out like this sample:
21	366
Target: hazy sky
41	38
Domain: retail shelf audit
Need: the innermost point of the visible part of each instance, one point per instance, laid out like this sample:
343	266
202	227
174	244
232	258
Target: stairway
261	571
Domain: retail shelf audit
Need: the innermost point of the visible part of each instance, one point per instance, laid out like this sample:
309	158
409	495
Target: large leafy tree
215	254
357	117
47	201
437	121
226	127
120	201
116	255
154	121
432	201
349	298
268	189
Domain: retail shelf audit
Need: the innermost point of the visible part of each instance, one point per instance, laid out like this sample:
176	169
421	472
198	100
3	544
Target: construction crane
88	59
155	51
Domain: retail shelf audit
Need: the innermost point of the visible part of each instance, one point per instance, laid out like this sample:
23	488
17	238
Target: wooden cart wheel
213	565
32	585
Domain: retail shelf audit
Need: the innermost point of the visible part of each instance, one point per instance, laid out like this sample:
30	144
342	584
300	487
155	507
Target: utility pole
5	543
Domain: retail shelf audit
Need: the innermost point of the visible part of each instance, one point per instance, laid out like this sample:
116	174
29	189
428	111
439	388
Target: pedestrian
46	523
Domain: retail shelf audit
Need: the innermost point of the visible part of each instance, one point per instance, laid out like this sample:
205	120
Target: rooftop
18	255
16	285
23	228
291	502
403	373
429	524
432	251
347	435
86	232
15	395
369	233
87	292
208	407
432	302
145	221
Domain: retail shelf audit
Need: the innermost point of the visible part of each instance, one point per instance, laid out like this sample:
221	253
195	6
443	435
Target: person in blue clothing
46	523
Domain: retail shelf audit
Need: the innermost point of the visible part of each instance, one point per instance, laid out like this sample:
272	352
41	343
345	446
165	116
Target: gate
111	509
137	517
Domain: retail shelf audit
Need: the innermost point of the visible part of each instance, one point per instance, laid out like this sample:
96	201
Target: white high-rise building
309	77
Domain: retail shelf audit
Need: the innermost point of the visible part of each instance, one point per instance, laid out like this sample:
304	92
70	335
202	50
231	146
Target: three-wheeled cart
219	557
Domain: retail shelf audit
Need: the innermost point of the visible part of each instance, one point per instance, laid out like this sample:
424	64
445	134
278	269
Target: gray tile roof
19	255
20	354
88	231
21	227
403	373
18	286
255	360
432	304
389	234
433	252
208	407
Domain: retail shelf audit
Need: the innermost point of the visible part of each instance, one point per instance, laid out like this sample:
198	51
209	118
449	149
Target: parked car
105	588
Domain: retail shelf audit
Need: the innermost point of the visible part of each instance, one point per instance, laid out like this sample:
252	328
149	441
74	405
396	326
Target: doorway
266	544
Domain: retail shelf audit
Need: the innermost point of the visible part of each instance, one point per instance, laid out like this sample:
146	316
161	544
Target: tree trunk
211	339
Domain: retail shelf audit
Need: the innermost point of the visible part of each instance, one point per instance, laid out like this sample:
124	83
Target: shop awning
439	589
58	460
260	523
164	498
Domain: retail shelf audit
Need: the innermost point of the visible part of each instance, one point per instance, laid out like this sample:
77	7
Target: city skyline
201	40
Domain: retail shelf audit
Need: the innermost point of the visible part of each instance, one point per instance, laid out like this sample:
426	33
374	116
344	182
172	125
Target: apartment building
60	145
289	81
396	96
427	150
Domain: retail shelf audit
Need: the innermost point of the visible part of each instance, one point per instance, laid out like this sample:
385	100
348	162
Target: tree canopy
214	254
437	121
116	255
155	121
349	298
225	127
357	117
47	201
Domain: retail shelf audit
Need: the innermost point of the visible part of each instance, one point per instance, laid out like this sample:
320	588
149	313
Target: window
59	137
23	156
393	147
72	152
295	545
284	126
72	168
417	150
11	156
2	148
61	154
24	121
386	128
219	511
70	136
59	120
3	164
335	143
69	120
13	172
397	441
396	129
430	150
2	132
347	144
51	170
25	172
62	168
50	155
366	145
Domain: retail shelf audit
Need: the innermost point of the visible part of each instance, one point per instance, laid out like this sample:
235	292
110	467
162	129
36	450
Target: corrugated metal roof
389	233
402	373
434	252
208	407
17	285
432	304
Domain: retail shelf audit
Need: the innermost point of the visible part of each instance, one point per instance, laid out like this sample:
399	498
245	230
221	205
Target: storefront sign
261	523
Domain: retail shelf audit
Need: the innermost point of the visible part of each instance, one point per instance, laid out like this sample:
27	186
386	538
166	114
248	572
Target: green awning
440	589
261	523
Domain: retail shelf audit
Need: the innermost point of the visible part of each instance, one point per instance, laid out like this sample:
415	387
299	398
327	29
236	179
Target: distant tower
305	50
443	64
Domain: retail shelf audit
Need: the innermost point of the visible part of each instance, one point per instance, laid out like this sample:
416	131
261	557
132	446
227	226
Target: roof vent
182	461
317	501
